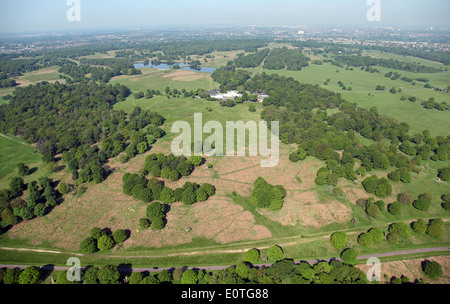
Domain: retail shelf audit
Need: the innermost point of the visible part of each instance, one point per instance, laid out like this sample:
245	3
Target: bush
395	208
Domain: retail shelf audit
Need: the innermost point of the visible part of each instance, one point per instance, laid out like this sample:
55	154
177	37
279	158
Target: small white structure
228	95
262	96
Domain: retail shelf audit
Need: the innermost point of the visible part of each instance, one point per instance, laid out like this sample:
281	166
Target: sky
51	15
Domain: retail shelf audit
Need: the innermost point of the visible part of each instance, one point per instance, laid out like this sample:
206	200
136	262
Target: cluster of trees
73	119
265	195
378	186
367	61
102	239
432	104
371	237
446	201
249	61
154	189
284	58
7	83
41	198
371	207
171	167
230	78
434	227
28	276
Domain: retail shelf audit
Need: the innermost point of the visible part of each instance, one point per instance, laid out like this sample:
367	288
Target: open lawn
160	79
12	152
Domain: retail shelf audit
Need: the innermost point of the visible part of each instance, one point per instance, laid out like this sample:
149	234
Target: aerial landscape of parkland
193	144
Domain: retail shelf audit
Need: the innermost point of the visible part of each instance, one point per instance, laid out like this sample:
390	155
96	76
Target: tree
432	269
243	269
189	277
23	170
196	160
144	223
435	228
188	197
136	278
421	204
96	232
444	174
12	276
155	210
373	210
157	223
377	235
105	242
401	229
395	208
64	188
349	256
167	196
120	236
365	240
252	256
339	240
420	226
30	275
276	253
109	275
88	245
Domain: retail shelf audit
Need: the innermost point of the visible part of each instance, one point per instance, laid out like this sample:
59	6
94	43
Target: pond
183	66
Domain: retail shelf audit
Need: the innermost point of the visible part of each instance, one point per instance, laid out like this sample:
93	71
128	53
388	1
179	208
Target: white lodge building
228	95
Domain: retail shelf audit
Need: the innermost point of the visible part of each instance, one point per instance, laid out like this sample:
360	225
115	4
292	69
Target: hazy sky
50	15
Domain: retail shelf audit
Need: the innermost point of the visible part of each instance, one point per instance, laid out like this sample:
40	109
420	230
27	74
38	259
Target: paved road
212	268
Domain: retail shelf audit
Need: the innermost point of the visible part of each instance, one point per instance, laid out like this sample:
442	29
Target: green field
12	152
159	79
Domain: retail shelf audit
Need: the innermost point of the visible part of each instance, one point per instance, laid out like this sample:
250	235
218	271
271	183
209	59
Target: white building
228	95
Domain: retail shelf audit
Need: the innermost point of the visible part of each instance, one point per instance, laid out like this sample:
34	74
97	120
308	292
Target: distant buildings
233	94
224	96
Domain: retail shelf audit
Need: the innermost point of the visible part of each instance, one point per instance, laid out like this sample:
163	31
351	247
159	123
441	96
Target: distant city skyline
22	16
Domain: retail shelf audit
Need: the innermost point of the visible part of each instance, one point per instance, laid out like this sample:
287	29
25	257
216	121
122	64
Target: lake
183	66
